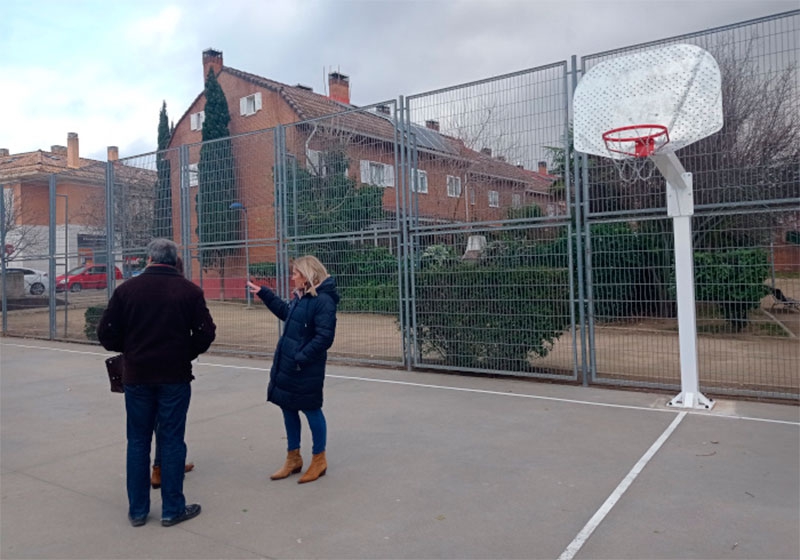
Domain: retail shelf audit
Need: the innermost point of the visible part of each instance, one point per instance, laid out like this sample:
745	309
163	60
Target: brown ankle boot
293	464
155	480
317	469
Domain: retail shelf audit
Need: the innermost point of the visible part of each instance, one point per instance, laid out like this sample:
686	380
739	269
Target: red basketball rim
644	144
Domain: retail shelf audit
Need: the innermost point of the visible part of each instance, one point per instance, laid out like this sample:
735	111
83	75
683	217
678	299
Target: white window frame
494	199
250	104
8	195
194	175
516	200
196	120
472	200
377	174
419	181
453	186
315	163
387	172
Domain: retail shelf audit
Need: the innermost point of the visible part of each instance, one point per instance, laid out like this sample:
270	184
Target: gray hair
162	251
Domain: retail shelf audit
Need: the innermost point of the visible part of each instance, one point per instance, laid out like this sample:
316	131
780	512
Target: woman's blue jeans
316	422
167	406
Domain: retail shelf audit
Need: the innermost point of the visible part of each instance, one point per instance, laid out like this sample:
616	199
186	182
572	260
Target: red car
87	276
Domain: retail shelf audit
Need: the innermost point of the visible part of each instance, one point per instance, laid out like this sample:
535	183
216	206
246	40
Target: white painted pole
687	319
680	206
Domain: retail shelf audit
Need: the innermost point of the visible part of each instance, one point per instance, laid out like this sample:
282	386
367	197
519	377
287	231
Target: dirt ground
764	357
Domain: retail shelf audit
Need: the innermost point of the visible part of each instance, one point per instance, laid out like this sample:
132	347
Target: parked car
85	277
35	280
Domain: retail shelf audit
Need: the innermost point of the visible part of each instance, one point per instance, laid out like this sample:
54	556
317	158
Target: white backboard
677	86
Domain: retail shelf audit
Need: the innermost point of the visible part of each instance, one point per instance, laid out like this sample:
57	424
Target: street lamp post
243	209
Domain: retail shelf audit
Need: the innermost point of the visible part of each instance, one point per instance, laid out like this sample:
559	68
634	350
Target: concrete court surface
421	465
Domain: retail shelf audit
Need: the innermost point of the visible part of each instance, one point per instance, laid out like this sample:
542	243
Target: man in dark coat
160	322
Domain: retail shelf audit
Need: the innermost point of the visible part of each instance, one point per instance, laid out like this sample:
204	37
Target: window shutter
243	106
313	161
388	175
193	121
364	171
258	101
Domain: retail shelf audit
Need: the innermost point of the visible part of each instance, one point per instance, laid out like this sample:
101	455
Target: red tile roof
309	105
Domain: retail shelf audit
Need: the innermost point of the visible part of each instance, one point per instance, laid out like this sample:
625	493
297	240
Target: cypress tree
218	225
162	226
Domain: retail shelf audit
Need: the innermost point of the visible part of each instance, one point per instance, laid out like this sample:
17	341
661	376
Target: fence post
51	260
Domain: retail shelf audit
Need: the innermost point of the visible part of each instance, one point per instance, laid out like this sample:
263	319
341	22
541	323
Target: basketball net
636	143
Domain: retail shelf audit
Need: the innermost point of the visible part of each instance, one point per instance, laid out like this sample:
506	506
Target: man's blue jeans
147	405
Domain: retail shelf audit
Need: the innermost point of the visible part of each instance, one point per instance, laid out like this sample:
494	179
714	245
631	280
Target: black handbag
114	365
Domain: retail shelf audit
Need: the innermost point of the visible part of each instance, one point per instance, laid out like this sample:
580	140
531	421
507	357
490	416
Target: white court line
449	388
601	513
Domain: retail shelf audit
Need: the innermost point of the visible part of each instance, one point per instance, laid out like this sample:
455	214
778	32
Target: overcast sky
102	68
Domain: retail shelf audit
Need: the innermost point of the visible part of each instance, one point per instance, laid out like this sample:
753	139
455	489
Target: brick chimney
58	149
433	125
113	153
486	151
543	167
211	59
73	155
4	152
339	87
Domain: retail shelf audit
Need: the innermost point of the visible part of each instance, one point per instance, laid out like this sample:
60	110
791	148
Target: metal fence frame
546	92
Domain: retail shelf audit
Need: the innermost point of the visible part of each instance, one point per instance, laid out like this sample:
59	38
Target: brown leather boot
155	479
317	469
293	465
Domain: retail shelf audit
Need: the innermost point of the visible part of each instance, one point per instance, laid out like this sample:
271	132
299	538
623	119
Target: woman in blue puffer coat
298	366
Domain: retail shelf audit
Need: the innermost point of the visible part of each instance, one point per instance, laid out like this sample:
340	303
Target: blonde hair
312	270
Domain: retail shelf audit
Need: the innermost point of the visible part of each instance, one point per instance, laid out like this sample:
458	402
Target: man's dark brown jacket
160	322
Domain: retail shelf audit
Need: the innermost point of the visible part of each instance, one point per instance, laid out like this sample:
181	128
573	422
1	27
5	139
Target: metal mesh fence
753	160
342	174
503	309
747	194
453	226
492	150
340	199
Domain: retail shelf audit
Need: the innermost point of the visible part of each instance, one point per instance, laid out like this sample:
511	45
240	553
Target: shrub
263	270
489	315
630	270
367	278
92	317
733	279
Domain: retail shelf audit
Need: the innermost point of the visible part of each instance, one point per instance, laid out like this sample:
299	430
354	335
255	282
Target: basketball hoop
639	140
637	143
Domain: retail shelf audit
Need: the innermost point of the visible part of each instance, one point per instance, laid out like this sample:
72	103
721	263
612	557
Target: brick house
80	203
453	184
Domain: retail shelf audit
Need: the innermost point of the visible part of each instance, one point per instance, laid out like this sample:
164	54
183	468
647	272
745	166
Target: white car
35	280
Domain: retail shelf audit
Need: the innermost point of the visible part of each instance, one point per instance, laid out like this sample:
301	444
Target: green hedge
92	316
263	270
383	299
733	279
490	316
